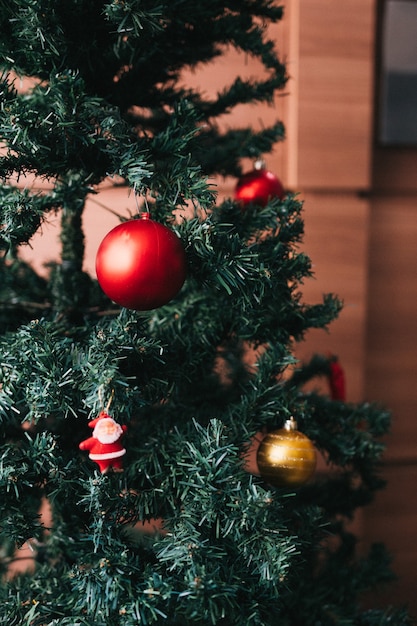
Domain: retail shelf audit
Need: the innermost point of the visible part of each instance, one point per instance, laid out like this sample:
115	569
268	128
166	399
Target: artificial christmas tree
191	382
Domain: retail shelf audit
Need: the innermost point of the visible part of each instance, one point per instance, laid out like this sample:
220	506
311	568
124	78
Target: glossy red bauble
258	187
141	264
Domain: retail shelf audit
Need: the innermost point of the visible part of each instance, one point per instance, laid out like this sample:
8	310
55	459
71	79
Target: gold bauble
286	457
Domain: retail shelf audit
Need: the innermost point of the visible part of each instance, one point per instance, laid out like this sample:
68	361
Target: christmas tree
171	369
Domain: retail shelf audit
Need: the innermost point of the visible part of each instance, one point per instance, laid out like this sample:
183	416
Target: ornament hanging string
259	164
144	208
106	408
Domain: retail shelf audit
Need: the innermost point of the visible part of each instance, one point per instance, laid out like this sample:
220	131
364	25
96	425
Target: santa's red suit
105	444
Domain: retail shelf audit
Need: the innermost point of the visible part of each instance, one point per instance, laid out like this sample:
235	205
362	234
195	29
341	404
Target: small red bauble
258	187
141	264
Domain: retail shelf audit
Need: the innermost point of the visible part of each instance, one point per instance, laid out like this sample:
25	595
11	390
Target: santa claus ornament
258	187
105	445
141	264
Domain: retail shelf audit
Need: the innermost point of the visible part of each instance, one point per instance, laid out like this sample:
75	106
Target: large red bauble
258	187
141	264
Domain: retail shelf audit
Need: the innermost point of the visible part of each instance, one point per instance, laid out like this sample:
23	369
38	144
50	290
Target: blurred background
350	110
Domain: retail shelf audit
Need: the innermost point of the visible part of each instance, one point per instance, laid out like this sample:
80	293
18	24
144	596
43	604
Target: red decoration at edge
337	381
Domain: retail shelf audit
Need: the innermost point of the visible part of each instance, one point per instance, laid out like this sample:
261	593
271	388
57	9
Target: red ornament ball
141	264
258	187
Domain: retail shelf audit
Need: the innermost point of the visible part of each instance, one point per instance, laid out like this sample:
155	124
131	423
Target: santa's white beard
104	434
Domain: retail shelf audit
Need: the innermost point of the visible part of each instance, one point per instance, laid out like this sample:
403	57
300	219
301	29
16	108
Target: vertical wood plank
391	366
336	240
336	54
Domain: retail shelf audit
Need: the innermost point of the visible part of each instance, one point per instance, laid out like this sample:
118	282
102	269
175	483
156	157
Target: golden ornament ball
286	457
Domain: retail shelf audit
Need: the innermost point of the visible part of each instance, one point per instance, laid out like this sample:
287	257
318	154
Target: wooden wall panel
391	371
336	240
330	160
392	329
335	93
391	519
394	172
364	250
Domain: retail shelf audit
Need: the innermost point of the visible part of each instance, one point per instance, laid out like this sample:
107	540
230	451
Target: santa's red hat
101	415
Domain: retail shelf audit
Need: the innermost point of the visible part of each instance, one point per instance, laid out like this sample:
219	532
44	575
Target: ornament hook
101	402
139	208
107	407
291	424
259	164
